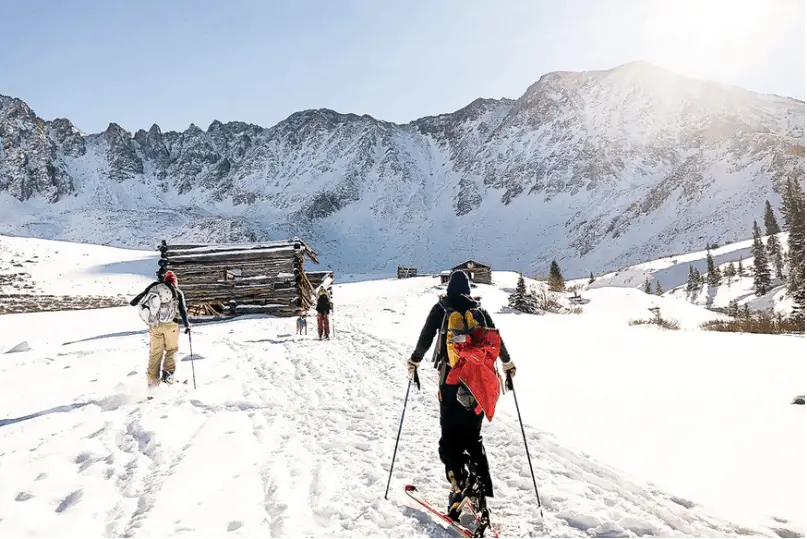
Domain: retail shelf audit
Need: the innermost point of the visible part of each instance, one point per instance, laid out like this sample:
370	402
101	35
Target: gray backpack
158	305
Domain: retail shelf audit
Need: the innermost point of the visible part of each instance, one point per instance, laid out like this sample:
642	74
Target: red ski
413	493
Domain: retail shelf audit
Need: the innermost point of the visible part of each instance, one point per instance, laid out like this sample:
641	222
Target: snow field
290	436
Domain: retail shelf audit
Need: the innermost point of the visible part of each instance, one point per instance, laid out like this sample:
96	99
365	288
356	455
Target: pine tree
522	299
740	270
556	281
771	226
521	286
698	278
793	202
774	249
746	312
647	289
659	290
712	273
730	270
691	279
734	308
762	273
591	278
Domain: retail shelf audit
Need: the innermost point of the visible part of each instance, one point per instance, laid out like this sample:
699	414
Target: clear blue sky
174	62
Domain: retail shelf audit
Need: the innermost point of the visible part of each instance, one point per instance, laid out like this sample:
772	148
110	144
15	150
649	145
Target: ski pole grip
508	382
417	379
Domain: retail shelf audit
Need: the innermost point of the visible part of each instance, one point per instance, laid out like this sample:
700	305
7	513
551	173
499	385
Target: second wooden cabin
476	272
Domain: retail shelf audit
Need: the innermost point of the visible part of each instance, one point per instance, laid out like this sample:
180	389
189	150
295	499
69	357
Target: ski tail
482	522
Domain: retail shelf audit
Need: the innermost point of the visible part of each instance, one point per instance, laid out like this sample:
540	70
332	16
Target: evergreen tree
591	278
556	281
647	288
771	226
522	299
730	270
521	285
775	253
740	270
659	290
746	312
698	278
793	202
734	308
762	273
691	279
712	273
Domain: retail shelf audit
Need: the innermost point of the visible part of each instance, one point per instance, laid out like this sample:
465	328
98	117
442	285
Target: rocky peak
153	147
124	163
67	137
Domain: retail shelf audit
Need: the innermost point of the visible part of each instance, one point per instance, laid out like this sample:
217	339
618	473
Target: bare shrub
758	322
666	323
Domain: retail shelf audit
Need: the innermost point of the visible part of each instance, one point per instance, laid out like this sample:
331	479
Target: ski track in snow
304	449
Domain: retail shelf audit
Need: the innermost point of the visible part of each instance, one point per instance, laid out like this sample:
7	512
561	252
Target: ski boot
167	377
455	498
474	492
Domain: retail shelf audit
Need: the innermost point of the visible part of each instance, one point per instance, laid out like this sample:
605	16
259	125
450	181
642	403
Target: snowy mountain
633	431
598	169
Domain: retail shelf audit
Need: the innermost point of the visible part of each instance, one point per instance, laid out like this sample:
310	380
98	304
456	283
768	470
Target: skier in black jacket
324	307
461	449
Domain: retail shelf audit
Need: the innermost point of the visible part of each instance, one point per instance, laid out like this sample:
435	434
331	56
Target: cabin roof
474	264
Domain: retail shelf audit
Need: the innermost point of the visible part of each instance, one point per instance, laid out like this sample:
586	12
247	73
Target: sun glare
716	36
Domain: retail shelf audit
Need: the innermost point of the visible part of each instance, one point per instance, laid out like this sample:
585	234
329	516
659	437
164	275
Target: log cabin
232	279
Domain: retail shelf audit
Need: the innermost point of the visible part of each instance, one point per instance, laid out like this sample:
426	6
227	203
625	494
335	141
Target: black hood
460	302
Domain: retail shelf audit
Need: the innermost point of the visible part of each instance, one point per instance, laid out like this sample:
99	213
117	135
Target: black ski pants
461	439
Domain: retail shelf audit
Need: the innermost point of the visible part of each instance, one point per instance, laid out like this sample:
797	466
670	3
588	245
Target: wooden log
246	274
195	248
230	257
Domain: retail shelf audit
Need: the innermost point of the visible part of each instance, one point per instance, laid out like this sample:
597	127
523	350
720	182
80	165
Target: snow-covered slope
596	169
65	268
633	430
672	273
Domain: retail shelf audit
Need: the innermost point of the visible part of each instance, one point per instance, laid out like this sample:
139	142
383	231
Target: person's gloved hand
412	366
187	329
509	369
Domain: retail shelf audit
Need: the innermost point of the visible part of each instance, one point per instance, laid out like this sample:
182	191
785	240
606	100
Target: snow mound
22	347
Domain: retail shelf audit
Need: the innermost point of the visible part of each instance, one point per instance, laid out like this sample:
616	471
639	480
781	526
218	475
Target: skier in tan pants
162	307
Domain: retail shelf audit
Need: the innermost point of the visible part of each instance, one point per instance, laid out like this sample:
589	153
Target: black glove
187	329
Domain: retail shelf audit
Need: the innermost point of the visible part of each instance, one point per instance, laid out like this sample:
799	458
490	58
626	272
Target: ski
413	493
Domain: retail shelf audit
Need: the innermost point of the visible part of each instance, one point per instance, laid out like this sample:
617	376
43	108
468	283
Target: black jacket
435	323
324	304
178	296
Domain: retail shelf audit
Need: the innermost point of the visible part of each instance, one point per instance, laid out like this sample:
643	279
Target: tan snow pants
164	337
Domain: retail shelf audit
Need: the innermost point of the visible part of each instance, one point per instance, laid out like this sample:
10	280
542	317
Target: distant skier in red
324	307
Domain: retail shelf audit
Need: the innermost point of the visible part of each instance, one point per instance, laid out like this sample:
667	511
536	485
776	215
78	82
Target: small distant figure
324	308
302	324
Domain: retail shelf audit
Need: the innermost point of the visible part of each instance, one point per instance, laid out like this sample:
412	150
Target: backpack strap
441	336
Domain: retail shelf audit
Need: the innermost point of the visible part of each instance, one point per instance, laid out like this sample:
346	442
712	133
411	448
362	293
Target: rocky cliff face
596	169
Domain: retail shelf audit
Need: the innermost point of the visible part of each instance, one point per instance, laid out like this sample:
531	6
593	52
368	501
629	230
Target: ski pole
509	384
400	427
193	370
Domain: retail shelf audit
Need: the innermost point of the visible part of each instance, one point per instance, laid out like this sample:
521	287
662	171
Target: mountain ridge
569	170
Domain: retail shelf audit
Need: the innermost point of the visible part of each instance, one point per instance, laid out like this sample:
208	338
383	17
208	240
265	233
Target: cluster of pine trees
770	262
793	212
526	301
648	289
